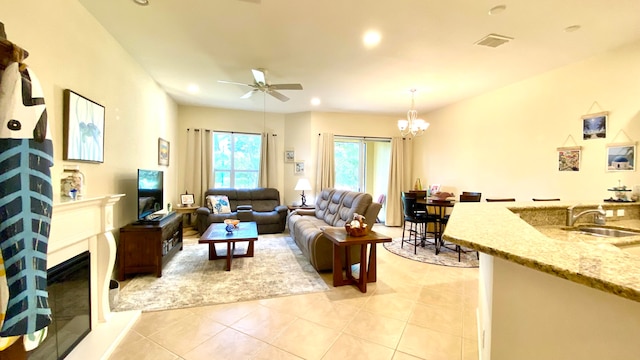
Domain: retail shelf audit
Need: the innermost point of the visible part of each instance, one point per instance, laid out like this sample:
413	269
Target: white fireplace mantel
87	225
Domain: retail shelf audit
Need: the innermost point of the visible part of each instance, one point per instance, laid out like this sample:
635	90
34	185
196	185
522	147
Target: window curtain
199	166
325	174
399	179
268	163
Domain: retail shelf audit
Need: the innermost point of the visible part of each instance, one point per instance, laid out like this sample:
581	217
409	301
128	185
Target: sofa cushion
218	204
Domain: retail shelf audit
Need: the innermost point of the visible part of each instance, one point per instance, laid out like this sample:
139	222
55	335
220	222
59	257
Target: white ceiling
426	44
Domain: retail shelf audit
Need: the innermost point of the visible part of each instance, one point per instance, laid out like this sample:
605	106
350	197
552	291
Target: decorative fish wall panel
26	155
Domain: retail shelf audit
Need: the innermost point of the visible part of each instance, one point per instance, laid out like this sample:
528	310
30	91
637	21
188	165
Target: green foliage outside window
236	160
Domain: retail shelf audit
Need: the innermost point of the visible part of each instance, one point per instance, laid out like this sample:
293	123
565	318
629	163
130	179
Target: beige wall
70	49
194	117
503	143
297	131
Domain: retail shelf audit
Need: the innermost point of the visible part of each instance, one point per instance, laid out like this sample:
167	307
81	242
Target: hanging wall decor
163	152
621	157
83	129
289	155
569	155
299	168
594	126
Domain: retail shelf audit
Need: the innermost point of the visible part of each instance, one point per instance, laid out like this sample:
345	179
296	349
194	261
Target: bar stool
418	222
538	199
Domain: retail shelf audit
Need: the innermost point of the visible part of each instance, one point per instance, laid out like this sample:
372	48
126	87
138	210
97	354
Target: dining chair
470	196
501	200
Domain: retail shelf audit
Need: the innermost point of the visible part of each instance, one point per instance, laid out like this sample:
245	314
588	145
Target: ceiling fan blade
258	74
233	82
286	86
278	95
249	94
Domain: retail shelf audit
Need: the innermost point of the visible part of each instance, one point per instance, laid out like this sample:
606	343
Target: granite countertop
494	229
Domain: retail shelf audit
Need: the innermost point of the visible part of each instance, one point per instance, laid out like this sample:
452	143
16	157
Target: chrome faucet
599	215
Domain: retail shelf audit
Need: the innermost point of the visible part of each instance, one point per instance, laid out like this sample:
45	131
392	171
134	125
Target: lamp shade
303	184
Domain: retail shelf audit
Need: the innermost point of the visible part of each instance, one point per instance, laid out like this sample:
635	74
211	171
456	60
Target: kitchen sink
605	231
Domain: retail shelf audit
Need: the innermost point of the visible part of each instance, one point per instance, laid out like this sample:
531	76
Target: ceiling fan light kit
261	84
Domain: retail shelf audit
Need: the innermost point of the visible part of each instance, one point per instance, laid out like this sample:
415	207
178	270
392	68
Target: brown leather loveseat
261	205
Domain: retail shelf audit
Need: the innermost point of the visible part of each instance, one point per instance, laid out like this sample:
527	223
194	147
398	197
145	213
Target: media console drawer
143	247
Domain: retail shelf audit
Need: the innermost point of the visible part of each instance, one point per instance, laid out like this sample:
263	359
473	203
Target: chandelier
412	126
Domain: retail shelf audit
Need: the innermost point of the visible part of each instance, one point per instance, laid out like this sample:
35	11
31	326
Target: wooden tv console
143	248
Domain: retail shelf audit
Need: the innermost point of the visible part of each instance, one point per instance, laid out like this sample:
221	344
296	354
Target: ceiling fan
261	84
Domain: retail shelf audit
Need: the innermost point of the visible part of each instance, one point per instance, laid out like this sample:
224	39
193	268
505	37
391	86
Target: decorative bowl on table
442	195
356	231
233	222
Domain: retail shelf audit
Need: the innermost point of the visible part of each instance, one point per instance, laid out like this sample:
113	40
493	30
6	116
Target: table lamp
303	184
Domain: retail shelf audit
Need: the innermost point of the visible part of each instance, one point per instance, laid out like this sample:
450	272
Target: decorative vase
72	182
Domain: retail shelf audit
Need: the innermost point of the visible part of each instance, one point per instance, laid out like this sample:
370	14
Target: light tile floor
413	311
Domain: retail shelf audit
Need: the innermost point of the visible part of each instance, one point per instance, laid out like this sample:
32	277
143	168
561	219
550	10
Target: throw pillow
218	204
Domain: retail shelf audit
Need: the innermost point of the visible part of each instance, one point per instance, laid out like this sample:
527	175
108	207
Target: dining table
438	207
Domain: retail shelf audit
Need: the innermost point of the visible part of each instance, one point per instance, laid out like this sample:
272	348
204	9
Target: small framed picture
186	199
435	188
299	168
569	159
289	156
163	152
594	126
621	157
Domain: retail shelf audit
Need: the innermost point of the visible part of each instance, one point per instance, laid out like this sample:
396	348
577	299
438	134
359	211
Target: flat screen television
150	192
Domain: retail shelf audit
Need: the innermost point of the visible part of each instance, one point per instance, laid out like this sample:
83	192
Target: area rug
190	279
447	256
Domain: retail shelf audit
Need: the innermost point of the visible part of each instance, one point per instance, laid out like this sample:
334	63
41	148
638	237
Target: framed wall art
569	159
83	128
621	157
163	152
289	155
594	126
299	168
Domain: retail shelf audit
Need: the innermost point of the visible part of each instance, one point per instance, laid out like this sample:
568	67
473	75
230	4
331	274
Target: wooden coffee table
368	271
216	233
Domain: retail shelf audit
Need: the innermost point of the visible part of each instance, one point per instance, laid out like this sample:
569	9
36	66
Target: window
236	160
362	164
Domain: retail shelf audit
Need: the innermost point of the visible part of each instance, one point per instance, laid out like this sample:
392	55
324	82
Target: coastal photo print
621	157
594	126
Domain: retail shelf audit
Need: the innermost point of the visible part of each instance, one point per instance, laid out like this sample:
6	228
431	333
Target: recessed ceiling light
141	2
572	28
371	38
315	101
193	88
497	9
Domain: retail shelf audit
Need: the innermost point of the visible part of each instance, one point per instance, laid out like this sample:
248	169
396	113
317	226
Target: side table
368	270
186	212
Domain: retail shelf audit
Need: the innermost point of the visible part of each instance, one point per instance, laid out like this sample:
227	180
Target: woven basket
356	231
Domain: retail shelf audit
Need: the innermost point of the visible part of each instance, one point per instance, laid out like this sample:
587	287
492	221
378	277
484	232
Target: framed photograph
621	157
163	152
186	199
289	156
83	128
299	168
594	126
569	159
434	188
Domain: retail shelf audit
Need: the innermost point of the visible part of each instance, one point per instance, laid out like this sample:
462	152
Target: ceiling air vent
493	40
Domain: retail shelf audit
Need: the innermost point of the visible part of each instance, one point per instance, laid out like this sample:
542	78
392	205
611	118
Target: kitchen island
549	293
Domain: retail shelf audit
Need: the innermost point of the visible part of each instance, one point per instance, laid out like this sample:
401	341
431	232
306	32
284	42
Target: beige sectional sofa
333	208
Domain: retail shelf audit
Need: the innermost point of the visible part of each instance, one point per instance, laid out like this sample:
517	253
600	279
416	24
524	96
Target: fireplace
69	290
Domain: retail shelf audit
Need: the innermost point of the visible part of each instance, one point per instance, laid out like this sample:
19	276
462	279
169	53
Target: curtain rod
230	132
361	137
